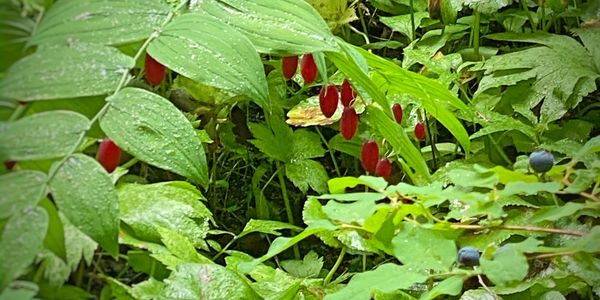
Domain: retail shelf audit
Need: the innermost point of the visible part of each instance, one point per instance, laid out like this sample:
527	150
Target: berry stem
122	82
337	169
337	264
432	144
286	201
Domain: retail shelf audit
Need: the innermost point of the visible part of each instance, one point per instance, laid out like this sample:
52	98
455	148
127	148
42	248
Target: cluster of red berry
330	96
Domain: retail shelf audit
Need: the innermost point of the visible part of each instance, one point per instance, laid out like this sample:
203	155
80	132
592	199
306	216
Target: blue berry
468	256
541	161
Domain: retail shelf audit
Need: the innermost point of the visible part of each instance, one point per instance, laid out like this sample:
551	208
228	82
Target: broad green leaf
206	281
402	144
304	173
152	129
423	248
364	196
20	290
22	237
591	39
20	190
338	185
56	72
449	286
529	188
554	213
180	246
560	65
590	147
85	194
15	29
274	27
354	212
213	53
402	23
386	278
508	266
468	175
41	136
587	243
266	226
486	6
173	205
111	22
149	289
309	266
495	122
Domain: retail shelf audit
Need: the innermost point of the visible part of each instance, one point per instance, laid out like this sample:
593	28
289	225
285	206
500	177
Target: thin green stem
130	163
286	201
526	9
18	112
431	142
364	26
335	165
475	28
337	264
225	248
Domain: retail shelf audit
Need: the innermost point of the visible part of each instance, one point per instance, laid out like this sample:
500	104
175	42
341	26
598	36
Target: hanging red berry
348	94
9	165
349	122
397	110
308	68
109	155
154	71
289	64
328	100
420	131
369	156
383	168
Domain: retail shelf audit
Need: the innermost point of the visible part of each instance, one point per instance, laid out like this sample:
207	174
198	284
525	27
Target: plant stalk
286	201
335	267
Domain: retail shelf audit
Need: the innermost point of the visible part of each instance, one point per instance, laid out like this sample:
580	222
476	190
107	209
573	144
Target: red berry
397	110
383	168
349	122
348	94
328	100
289	64
154	71
9	165
420	131
369	156
109	155
308	68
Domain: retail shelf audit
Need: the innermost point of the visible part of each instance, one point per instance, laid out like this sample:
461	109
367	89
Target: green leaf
15	29
180	247
556	212
507	267
486	6
529	188
591	39
386	278
20	190
173	205
152	129
41	136
22	238
304	173
85	194
206	281
99	21
338	185
149	289
20	290
56	72
495	122
587	243
423	248
308	267
560	65
354	212
402	23
274	27
213	53
55	238
266	226
449	286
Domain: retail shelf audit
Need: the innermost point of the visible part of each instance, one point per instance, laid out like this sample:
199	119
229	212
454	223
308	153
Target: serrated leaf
57	72
20	190
423	248
304	173
152	129
85	194
274	27
173	205
507	267
556	212
206	281
181	247
309	266
386	278
591	39
402	23
111	22
213	53
22	237
41	136
266	226
560	65
495	122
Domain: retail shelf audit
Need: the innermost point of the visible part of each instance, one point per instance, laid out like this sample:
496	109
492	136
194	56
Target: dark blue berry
468	256
541	161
